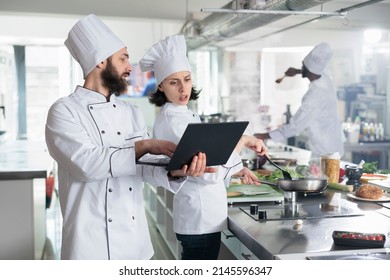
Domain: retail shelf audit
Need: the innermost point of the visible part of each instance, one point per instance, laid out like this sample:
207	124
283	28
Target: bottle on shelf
380	132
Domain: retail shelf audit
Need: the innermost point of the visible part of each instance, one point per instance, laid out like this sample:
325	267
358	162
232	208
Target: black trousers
200	246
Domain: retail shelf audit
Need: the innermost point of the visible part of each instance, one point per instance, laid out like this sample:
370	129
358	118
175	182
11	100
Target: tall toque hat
90	42
166	57
318	58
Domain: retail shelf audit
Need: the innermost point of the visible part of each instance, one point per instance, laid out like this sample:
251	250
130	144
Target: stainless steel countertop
270	238
23	159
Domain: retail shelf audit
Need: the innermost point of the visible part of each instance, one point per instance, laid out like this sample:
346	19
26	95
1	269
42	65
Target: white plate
385	197
366	178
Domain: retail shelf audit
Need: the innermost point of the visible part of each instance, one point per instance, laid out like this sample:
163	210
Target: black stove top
296	210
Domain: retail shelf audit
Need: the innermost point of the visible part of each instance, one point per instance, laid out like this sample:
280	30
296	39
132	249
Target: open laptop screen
216	140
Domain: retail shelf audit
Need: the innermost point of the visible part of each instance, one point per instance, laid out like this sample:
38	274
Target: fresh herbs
277	174
370	167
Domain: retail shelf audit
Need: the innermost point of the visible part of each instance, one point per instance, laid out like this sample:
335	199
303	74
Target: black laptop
216	140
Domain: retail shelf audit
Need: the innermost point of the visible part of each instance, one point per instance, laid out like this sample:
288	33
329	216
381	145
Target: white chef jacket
200	206
319	116
100	186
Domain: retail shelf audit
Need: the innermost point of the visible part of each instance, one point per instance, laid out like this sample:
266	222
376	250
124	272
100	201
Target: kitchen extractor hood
220	26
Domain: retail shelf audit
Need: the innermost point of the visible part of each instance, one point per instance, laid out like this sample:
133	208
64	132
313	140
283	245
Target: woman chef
200	207
96	139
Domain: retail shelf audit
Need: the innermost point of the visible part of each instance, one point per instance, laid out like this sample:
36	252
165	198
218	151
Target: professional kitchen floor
54	226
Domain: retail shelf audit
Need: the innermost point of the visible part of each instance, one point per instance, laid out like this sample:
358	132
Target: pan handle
268	183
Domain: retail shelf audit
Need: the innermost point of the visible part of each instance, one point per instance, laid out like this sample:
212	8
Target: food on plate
358	239
359	235
367	177
369	191
373	240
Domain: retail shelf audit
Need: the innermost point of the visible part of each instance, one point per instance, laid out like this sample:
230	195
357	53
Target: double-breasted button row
111	190
110	220
119	133
91	107
103	132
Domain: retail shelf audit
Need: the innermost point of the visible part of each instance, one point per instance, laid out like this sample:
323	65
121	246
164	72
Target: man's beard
112	80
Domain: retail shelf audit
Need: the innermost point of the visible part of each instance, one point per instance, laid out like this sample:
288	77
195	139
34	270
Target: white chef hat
318	58
90	42
166	57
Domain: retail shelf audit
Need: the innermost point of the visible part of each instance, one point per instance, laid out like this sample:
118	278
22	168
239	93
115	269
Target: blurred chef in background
318	113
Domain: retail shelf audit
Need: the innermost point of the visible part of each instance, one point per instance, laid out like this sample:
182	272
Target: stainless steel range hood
220	26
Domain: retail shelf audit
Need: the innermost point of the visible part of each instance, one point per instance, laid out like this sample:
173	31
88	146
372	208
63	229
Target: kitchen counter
24	160
321	215
24	167
266	239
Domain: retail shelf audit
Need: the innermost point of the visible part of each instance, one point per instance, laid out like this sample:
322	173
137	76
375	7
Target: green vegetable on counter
370	167
340	187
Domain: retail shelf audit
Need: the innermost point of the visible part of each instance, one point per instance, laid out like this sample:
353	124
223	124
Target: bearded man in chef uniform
96	139
318	113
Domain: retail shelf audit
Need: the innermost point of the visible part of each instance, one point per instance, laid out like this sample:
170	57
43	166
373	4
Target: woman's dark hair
158	98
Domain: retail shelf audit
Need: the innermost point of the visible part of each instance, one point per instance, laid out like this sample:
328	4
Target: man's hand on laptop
154	147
